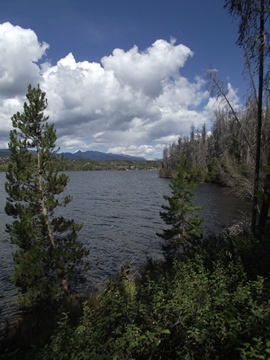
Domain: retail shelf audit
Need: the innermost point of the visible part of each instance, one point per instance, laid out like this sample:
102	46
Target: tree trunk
259	121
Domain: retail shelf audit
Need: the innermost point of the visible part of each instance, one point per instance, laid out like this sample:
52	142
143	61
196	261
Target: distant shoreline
95	165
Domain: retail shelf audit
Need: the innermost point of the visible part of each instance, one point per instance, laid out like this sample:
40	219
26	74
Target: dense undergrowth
210	303
203	305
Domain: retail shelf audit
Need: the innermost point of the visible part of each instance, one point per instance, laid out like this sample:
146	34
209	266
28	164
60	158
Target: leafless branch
217	89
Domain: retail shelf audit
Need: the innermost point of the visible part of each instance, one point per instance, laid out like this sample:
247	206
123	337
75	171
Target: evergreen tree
49	262
184	227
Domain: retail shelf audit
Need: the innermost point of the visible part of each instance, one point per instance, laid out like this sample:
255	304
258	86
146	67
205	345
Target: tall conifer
49	259
183	225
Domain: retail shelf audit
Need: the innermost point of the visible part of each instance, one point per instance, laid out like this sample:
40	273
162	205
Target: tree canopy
49	258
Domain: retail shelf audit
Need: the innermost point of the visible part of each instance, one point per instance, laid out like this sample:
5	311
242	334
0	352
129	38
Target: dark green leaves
49	260
184	226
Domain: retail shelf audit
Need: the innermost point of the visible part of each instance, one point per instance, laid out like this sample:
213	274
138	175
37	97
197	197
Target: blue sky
123	76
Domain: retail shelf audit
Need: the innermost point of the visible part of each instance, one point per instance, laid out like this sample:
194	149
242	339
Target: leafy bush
178	311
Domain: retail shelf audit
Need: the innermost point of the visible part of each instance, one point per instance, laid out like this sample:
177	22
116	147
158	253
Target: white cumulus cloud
132	102
19	50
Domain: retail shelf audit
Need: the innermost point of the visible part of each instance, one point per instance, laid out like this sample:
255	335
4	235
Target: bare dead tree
217	89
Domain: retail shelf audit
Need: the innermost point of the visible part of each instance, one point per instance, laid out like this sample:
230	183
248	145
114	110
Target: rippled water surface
120	212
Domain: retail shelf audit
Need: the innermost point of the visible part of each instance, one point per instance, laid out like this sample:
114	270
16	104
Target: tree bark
259	121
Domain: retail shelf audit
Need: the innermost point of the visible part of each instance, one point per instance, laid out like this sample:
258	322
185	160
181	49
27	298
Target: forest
209	298
226	154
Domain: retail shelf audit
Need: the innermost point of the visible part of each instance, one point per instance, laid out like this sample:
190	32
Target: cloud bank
133	102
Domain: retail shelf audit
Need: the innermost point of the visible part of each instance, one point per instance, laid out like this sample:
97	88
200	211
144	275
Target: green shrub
178	311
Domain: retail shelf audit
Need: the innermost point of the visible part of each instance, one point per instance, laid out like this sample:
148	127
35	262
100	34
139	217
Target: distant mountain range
98	155
90	155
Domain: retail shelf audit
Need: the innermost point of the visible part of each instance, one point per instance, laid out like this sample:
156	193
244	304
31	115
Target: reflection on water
221	208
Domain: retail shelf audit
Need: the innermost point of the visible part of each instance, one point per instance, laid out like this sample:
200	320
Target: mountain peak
90	155
98	155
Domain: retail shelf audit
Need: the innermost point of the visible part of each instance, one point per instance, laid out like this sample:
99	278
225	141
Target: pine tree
184	227
49	262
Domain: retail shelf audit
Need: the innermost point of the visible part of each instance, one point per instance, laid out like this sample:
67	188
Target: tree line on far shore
95	165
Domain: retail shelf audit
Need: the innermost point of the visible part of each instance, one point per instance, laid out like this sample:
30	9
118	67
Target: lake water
120	212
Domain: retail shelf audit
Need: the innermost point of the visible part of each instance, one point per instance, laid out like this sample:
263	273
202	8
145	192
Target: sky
120	76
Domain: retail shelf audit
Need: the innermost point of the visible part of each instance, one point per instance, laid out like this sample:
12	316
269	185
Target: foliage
49	261
178	310
184	227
